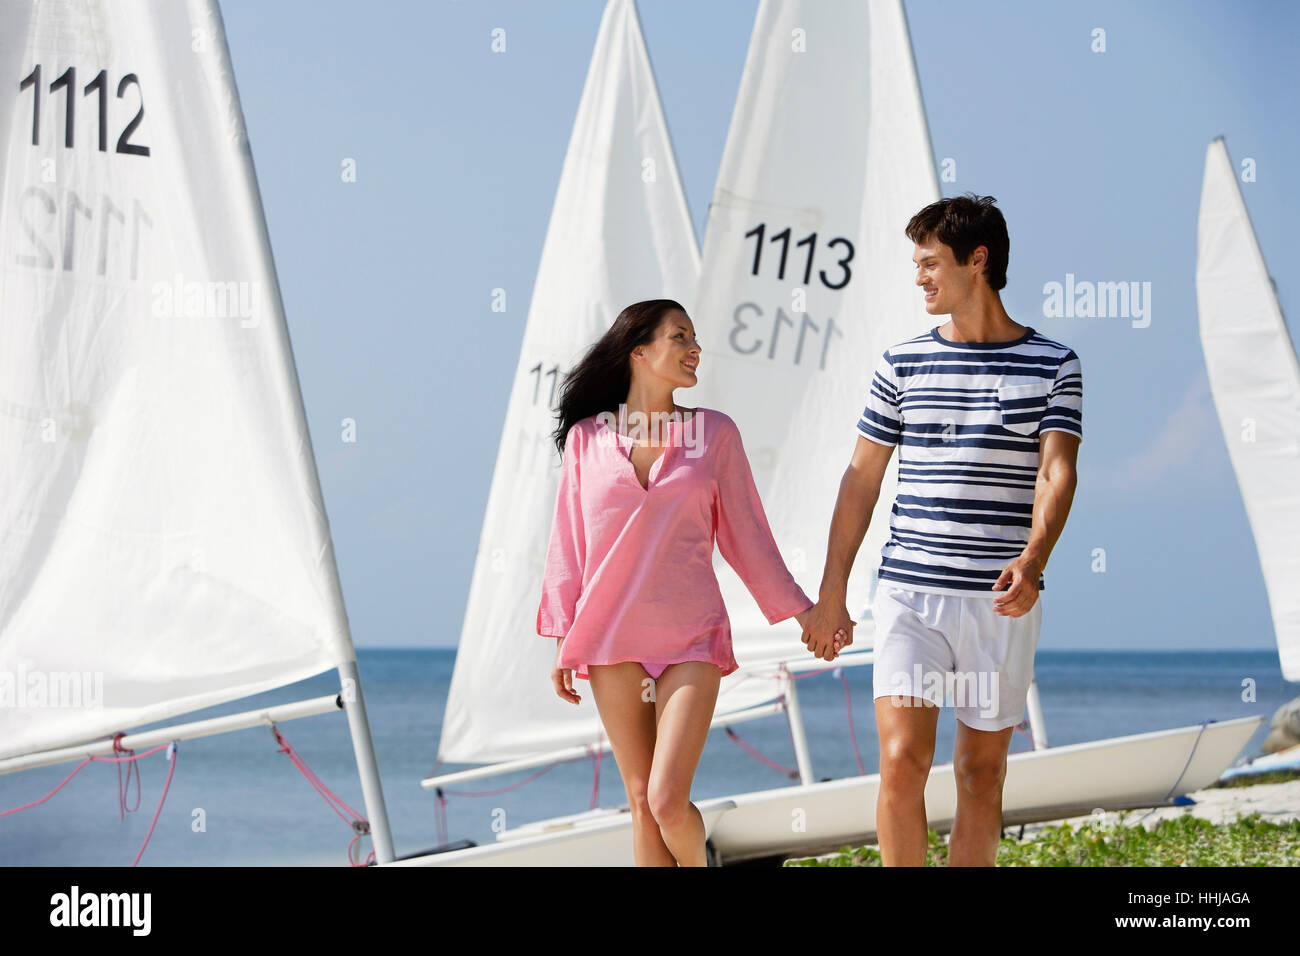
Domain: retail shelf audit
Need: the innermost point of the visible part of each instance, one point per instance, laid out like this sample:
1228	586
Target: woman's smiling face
674	355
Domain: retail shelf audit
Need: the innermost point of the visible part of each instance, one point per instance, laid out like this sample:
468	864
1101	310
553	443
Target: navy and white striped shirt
966	417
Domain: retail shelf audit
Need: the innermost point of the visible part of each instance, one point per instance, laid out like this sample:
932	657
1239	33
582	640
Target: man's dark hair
962	223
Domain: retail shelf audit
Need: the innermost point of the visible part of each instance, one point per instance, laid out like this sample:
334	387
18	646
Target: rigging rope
359	824
1196	743
131	768
123	756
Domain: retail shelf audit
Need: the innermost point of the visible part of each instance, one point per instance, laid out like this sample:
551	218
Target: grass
1250	780
1183	841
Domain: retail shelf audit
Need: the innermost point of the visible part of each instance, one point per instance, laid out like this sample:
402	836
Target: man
988	417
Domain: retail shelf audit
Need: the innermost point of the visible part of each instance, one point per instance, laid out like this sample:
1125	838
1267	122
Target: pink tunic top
629	570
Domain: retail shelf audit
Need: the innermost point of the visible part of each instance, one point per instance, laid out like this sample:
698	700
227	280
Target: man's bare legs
906	727
979	761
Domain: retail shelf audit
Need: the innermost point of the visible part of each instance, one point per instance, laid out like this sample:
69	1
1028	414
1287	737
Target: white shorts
955	651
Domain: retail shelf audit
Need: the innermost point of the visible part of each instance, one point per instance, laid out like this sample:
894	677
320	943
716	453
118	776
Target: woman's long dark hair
600	381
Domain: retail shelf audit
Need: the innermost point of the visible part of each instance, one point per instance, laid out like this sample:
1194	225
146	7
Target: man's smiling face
945	283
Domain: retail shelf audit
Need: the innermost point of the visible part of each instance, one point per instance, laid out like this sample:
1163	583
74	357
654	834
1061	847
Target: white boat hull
603	838
1140	770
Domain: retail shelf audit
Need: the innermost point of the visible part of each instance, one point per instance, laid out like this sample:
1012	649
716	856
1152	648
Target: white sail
807	278
1255	380
163	533
620	232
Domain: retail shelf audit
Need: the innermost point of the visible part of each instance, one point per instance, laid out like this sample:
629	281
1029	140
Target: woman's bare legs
625	702
685	695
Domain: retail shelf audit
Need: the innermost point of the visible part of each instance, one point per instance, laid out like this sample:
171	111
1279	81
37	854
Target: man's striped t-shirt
967	417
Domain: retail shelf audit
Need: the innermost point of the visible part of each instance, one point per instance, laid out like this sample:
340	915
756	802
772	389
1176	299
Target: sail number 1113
842	245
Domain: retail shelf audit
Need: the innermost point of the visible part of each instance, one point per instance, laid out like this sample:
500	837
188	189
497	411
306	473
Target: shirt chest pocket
1022	406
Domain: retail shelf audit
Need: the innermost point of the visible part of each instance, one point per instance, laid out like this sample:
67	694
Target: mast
349	678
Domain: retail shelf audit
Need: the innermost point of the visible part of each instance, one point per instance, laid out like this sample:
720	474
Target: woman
629	588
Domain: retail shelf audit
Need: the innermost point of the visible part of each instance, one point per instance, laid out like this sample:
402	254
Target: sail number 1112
67	84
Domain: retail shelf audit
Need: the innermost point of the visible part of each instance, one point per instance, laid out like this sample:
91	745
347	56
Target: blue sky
1095	159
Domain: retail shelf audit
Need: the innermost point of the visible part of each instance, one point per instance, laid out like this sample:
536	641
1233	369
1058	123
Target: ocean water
256	809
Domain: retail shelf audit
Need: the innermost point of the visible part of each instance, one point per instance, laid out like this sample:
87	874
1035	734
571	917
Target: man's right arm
859	492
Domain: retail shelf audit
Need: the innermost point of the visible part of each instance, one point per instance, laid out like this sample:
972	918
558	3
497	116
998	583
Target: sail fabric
807	278
1255	380
619	233
163	540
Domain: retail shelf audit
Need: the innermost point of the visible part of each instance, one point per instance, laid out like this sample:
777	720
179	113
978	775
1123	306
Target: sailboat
163	524
619	232
804	272
1255	382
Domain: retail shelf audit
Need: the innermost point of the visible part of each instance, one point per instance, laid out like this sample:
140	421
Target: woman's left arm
744	536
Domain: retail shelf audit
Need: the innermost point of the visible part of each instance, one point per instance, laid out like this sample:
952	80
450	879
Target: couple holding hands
987	415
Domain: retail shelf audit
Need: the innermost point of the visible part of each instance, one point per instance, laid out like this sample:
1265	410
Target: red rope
131	768
124	756
853	735
440	808
512	786
359	824
792	675
36	803
81	766
171	771
441	793
739	741
848	703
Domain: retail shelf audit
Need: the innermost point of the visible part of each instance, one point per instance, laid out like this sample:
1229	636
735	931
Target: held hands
562	677
827	629
1022	574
